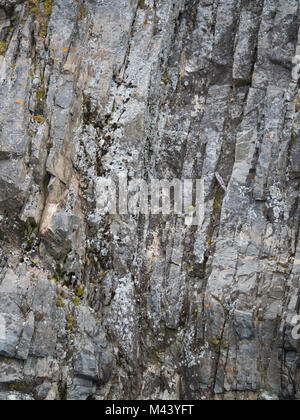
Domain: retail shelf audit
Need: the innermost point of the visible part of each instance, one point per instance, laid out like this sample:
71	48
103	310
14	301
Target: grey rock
97	306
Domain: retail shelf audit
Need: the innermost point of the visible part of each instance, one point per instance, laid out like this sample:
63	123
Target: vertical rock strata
147	307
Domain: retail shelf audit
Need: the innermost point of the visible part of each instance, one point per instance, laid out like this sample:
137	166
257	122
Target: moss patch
48	6
211	236
41	15
2	47
34	6
82	13
18	387
76	301
40	94
217	199
80	291
60	302
70	321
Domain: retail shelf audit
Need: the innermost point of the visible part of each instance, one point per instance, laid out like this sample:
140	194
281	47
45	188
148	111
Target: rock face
99	306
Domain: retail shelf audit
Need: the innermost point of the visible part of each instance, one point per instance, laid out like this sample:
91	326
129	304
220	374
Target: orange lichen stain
65	49
255	178
208	306
227	267
23	84
45	374
205	294
20	101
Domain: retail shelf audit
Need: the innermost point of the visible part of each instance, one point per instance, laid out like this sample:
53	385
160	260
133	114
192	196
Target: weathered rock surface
117	307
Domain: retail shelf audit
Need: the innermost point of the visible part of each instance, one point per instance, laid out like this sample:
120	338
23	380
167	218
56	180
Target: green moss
2	47
165	78
8	361
217	198
82	13
211	236
40	94
80	291
4	44
76	301
58	273
53	279
43	29
35	10
34	6
141	4
41	15
70	321
19	387
48	5
60	302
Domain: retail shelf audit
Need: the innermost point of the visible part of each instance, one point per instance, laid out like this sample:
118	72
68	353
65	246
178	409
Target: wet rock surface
147	307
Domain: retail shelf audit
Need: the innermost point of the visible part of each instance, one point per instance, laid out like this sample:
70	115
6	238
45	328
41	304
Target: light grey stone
122	306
